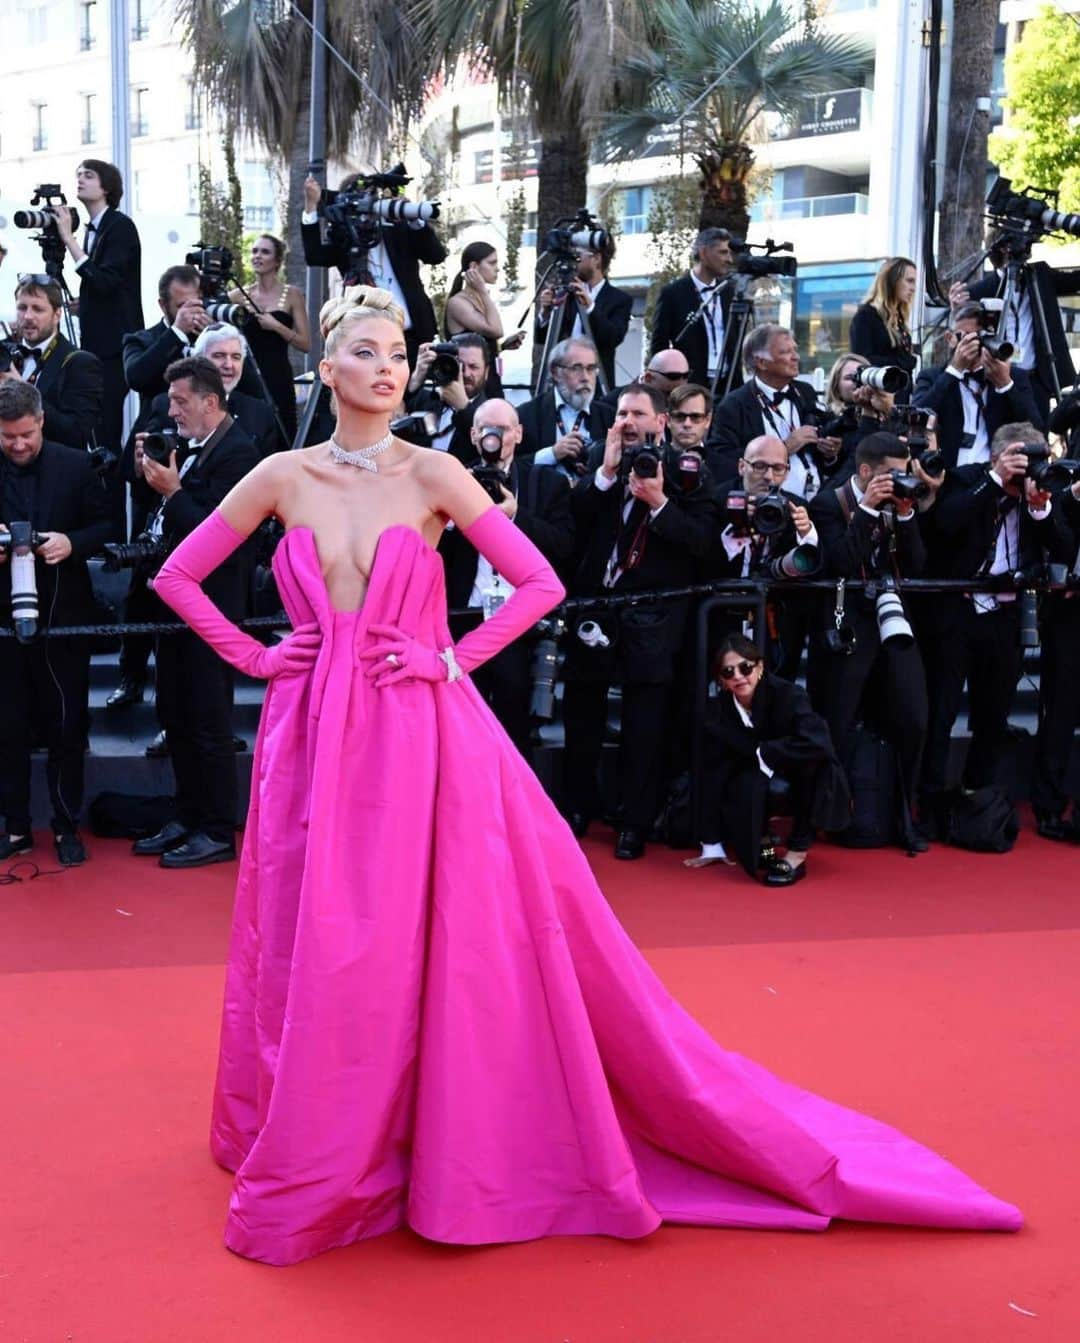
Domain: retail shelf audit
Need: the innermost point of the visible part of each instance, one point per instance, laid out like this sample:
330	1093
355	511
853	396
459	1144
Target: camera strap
838	603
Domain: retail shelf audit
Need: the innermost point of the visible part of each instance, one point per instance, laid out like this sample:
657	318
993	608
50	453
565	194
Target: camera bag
872	775
983	820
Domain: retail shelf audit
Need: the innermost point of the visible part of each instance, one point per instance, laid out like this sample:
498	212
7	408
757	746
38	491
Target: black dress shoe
158	747
70	850
630	844
197	851
168	837
779	872
11	848
578	823
127	692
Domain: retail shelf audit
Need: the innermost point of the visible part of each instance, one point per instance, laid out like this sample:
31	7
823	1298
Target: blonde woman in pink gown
432	1018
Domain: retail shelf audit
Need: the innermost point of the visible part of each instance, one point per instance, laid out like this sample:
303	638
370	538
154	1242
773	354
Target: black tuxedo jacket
147	354
540	426
204	486
1050	285
406	248
739	418
70	499
678	300
543	515
71	388
967	515
849	547
461	444
252	414
608	321
770	549
110	288
937	389
792	739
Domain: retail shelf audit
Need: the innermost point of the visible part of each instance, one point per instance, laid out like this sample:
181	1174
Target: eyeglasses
743	668
689	416
775	468
578	369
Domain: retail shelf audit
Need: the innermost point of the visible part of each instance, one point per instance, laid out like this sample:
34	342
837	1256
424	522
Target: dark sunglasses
743	668
689	416
34	279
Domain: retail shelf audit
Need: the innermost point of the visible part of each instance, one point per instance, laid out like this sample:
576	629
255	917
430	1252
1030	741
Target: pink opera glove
401	658
177	584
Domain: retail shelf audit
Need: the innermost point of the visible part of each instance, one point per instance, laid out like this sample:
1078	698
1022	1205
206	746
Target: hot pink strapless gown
433	1019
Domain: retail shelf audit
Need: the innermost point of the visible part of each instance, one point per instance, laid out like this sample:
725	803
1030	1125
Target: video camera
215	267
19	542
488	471
1028	211
771	263
570	236
44	220
355	214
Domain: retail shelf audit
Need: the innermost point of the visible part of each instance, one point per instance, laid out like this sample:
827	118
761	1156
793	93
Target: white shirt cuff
906	517
1007	388
81	262
309	217
654	512
810	539
1041	514
763	767
546	457
956	373
602	483
997	480
874	512
181	336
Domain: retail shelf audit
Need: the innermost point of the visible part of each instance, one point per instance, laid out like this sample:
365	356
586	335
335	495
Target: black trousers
44	696
114	390
896	704
195	702
728	805
141	606
642	741
983	650
1059	703
504	682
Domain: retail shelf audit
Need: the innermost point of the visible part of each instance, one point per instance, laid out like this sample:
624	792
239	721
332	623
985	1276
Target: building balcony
809	207
87	41
258	216
40	141
88	134
140	30
139	126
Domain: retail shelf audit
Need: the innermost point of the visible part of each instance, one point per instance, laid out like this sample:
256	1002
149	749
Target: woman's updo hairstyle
359	301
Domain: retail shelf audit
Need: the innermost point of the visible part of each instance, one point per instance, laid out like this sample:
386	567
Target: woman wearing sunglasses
760	728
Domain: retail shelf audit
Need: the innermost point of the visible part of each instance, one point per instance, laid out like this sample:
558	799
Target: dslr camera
643	459
19	542
911	423
44	220
1046	471
889	379
770	513
11	355
575	233
215	267
147	552
446	366
488	470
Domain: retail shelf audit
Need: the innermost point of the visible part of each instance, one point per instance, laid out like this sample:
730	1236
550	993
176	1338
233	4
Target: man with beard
565	427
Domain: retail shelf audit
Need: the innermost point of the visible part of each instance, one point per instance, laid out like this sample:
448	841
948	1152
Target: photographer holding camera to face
565	427
538	502
977	392
641	526
589	295
449	382
69	380
52	493
866	659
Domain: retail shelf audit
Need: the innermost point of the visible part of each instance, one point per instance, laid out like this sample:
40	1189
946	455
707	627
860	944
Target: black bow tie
784	394
27	352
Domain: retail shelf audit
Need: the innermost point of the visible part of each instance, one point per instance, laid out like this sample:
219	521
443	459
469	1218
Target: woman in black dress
470	307
759	727
279	320
879	330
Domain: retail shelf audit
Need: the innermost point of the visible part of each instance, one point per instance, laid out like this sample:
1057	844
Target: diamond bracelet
453	671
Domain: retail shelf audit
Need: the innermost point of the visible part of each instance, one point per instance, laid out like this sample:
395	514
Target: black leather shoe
127	692
70	850
1053	827
630	844
197	851
779	872
11	848
158	747
171	834
578	823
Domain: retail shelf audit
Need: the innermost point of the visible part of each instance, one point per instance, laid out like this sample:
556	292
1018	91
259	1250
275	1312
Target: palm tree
552	61
253	60
707	70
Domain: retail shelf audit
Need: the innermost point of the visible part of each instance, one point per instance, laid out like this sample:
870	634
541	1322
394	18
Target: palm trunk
563	172
725	170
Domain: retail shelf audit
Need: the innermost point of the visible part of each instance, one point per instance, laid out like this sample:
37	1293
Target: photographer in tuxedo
974	394
45	685
869	529
108	260
638	529
68	379
453	403
565	427
194	686
704	287
393	265
538	502
773	401
998	523
591	295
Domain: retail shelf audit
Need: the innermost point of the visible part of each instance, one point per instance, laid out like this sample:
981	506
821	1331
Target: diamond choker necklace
362	457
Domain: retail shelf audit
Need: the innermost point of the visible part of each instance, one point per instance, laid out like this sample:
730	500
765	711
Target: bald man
665	371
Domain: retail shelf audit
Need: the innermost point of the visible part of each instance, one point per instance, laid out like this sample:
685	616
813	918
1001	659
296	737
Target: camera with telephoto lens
445	368
893	624
19	542
1032	212
643	459
912	423
215	267
908	487
11	355
564	243
45	219
488	470
759	267
836	426
355	215
160	446
889	379
146	551
544	667
1046	471
770	513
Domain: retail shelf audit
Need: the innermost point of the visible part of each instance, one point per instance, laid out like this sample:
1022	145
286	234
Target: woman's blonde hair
833	399
361	300
883	298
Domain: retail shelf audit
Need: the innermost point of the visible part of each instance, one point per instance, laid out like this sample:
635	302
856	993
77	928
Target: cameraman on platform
538	502
108	259
45	685
453	400
194	686
589	295
393	264
565	426
639	528
704	288
975	393
68	379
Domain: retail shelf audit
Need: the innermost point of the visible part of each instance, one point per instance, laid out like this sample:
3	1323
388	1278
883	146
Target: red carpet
940	994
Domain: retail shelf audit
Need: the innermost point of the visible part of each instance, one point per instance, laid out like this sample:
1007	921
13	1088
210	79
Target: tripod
566	271
740	318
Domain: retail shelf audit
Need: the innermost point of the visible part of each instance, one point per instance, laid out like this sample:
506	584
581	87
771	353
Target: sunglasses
689	416
744	668
35	279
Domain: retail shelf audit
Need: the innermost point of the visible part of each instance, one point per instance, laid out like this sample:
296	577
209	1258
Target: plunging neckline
394	526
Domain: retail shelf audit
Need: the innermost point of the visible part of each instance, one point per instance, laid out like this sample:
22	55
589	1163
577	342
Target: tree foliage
221	208
1040	147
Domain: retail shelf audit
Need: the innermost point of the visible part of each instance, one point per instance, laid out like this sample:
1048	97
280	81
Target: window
89	118
87	36
528	233
37	27
140	26
40	134
635	204
192	110
139	100
257	189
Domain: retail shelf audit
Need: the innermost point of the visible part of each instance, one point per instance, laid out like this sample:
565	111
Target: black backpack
871	771
983	820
